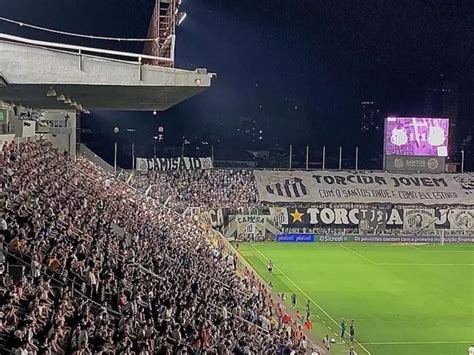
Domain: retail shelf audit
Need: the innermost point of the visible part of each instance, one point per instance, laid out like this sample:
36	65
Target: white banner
346	187
279	215
170	164
461	219
418	220
251	227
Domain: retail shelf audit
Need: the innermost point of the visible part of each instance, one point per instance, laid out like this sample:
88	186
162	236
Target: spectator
129	275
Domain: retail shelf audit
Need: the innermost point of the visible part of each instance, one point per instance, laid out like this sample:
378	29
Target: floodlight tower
166	16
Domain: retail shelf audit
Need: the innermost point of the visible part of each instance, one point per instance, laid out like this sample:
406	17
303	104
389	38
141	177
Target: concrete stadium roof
28	69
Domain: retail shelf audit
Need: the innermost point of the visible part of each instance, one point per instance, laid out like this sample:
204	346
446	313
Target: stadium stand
96	266
234	191
233	188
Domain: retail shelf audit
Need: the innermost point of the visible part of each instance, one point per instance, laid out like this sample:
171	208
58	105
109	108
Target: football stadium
173	244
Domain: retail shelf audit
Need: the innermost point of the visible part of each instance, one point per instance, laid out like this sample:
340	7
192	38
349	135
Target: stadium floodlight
68	100
181	16
51	92
61	97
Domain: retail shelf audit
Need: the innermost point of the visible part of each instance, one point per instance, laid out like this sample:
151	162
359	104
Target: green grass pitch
405	299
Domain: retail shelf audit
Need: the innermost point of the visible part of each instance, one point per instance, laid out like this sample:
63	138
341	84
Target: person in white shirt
327	342
22	350
471	350
224	313
3	224
35	267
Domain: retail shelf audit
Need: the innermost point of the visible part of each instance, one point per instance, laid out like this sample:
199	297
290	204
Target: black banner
372	219
375	219
216	217
409	239
393	239
171	164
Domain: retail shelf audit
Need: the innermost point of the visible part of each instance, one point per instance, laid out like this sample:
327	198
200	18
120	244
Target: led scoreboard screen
416	136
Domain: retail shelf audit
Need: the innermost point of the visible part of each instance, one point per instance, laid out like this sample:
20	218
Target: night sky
299	68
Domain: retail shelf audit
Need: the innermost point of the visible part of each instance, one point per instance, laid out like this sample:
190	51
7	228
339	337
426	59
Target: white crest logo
433	164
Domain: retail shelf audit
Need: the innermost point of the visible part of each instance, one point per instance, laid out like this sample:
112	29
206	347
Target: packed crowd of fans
236	191
111	271
201	188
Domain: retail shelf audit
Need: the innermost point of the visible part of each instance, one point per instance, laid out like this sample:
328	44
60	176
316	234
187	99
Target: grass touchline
308	297
404	300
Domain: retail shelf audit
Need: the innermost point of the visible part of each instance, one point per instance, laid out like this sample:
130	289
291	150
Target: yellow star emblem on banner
297	216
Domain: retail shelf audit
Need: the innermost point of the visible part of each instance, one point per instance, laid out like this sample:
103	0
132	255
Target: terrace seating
111	270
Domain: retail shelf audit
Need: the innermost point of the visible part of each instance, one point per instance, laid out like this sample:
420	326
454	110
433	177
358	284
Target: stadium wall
95	158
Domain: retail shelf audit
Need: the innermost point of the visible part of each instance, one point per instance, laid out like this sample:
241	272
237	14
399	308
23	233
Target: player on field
293	300
327	342
352	351
352	331
308	310
471	350
343	328
270	267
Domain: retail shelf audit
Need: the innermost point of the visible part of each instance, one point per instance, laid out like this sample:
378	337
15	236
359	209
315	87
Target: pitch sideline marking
409	264
401	264
416	248
306	295
419	342
439	251
359	255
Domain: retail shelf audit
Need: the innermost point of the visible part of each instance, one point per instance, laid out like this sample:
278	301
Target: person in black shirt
293	300
343	328
352	331
308	310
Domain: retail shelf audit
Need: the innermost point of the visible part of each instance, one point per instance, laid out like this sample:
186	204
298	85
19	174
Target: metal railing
56	277
82	50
